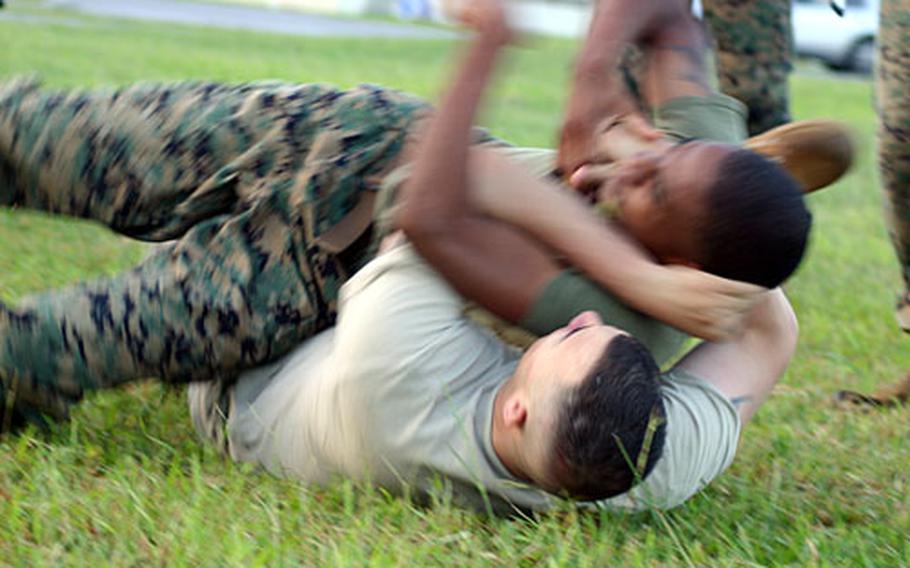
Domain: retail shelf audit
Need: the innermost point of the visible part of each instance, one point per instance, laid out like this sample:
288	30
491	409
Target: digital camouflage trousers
893	106
753	46
892	86
236	182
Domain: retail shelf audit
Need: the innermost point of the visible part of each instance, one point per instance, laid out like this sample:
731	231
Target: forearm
562	221
435	193
598	89
773	321
676	63
676	68
484	260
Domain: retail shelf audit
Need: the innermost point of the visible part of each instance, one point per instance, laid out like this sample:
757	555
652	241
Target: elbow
405	217
420	224
407	213
786	326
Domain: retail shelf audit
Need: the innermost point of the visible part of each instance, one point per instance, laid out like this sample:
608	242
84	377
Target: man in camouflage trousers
239	182
753	48
892	93
893	107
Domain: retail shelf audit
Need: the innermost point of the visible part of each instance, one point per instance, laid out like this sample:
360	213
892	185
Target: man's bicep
745	371
491	263
729	368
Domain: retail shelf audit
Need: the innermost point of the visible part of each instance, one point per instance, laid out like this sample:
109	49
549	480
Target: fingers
487	17
731	306
576	140
614	138
590	176
731	312
712	283
639	125
712	307
720	324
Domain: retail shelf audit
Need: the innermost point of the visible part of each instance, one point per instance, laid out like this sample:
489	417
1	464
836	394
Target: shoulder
703	430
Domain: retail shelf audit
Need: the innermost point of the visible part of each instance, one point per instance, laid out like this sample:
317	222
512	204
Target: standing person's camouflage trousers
239	180
893	106
753	44
892	96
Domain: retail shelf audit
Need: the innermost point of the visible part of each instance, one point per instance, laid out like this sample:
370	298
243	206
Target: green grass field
125	482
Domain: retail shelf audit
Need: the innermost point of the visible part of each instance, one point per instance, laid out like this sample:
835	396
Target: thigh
237	289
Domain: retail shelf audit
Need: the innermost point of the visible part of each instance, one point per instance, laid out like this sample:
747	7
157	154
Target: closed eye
571	332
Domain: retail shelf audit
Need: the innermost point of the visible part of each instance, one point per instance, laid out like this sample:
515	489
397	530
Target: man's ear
515	411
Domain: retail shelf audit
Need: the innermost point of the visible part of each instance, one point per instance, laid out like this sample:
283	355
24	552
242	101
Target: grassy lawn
125	482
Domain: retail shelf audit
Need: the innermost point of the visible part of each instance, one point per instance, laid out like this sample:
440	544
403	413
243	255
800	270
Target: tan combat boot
888	395
815	152
902	312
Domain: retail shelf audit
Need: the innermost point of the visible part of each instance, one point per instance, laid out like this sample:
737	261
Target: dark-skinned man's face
660	197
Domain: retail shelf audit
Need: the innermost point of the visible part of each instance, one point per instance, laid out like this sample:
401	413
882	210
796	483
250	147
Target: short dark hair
606	421
755	223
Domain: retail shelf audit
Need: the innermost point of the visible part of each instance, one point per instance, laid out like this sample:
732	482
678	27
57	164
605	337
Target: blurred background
842	41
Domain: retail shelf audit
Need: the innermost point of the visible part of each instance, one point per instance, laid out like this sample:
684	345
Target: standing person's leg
893	106
239	288
753	47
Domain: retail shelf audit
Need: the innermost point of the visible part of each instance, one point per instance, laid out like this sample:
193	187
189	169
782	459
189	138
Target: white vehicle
842	42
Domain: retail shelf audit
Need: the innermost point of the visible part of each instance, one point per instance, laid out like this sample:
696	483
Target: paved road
247	18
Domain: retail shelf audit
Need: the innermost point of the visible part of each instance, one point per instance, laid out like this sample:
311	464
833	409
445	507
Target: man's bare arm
675	68
746	369
701	304
598	90
485	260
676	63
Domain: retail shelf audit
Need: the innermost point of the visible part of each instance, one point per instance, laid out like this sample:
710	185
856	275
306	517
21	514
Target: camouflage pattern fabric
893	106
892	94
753	46
239	180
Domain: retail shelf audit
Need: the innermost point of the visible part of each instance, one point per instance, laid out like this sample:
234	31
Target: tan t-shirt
401	392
